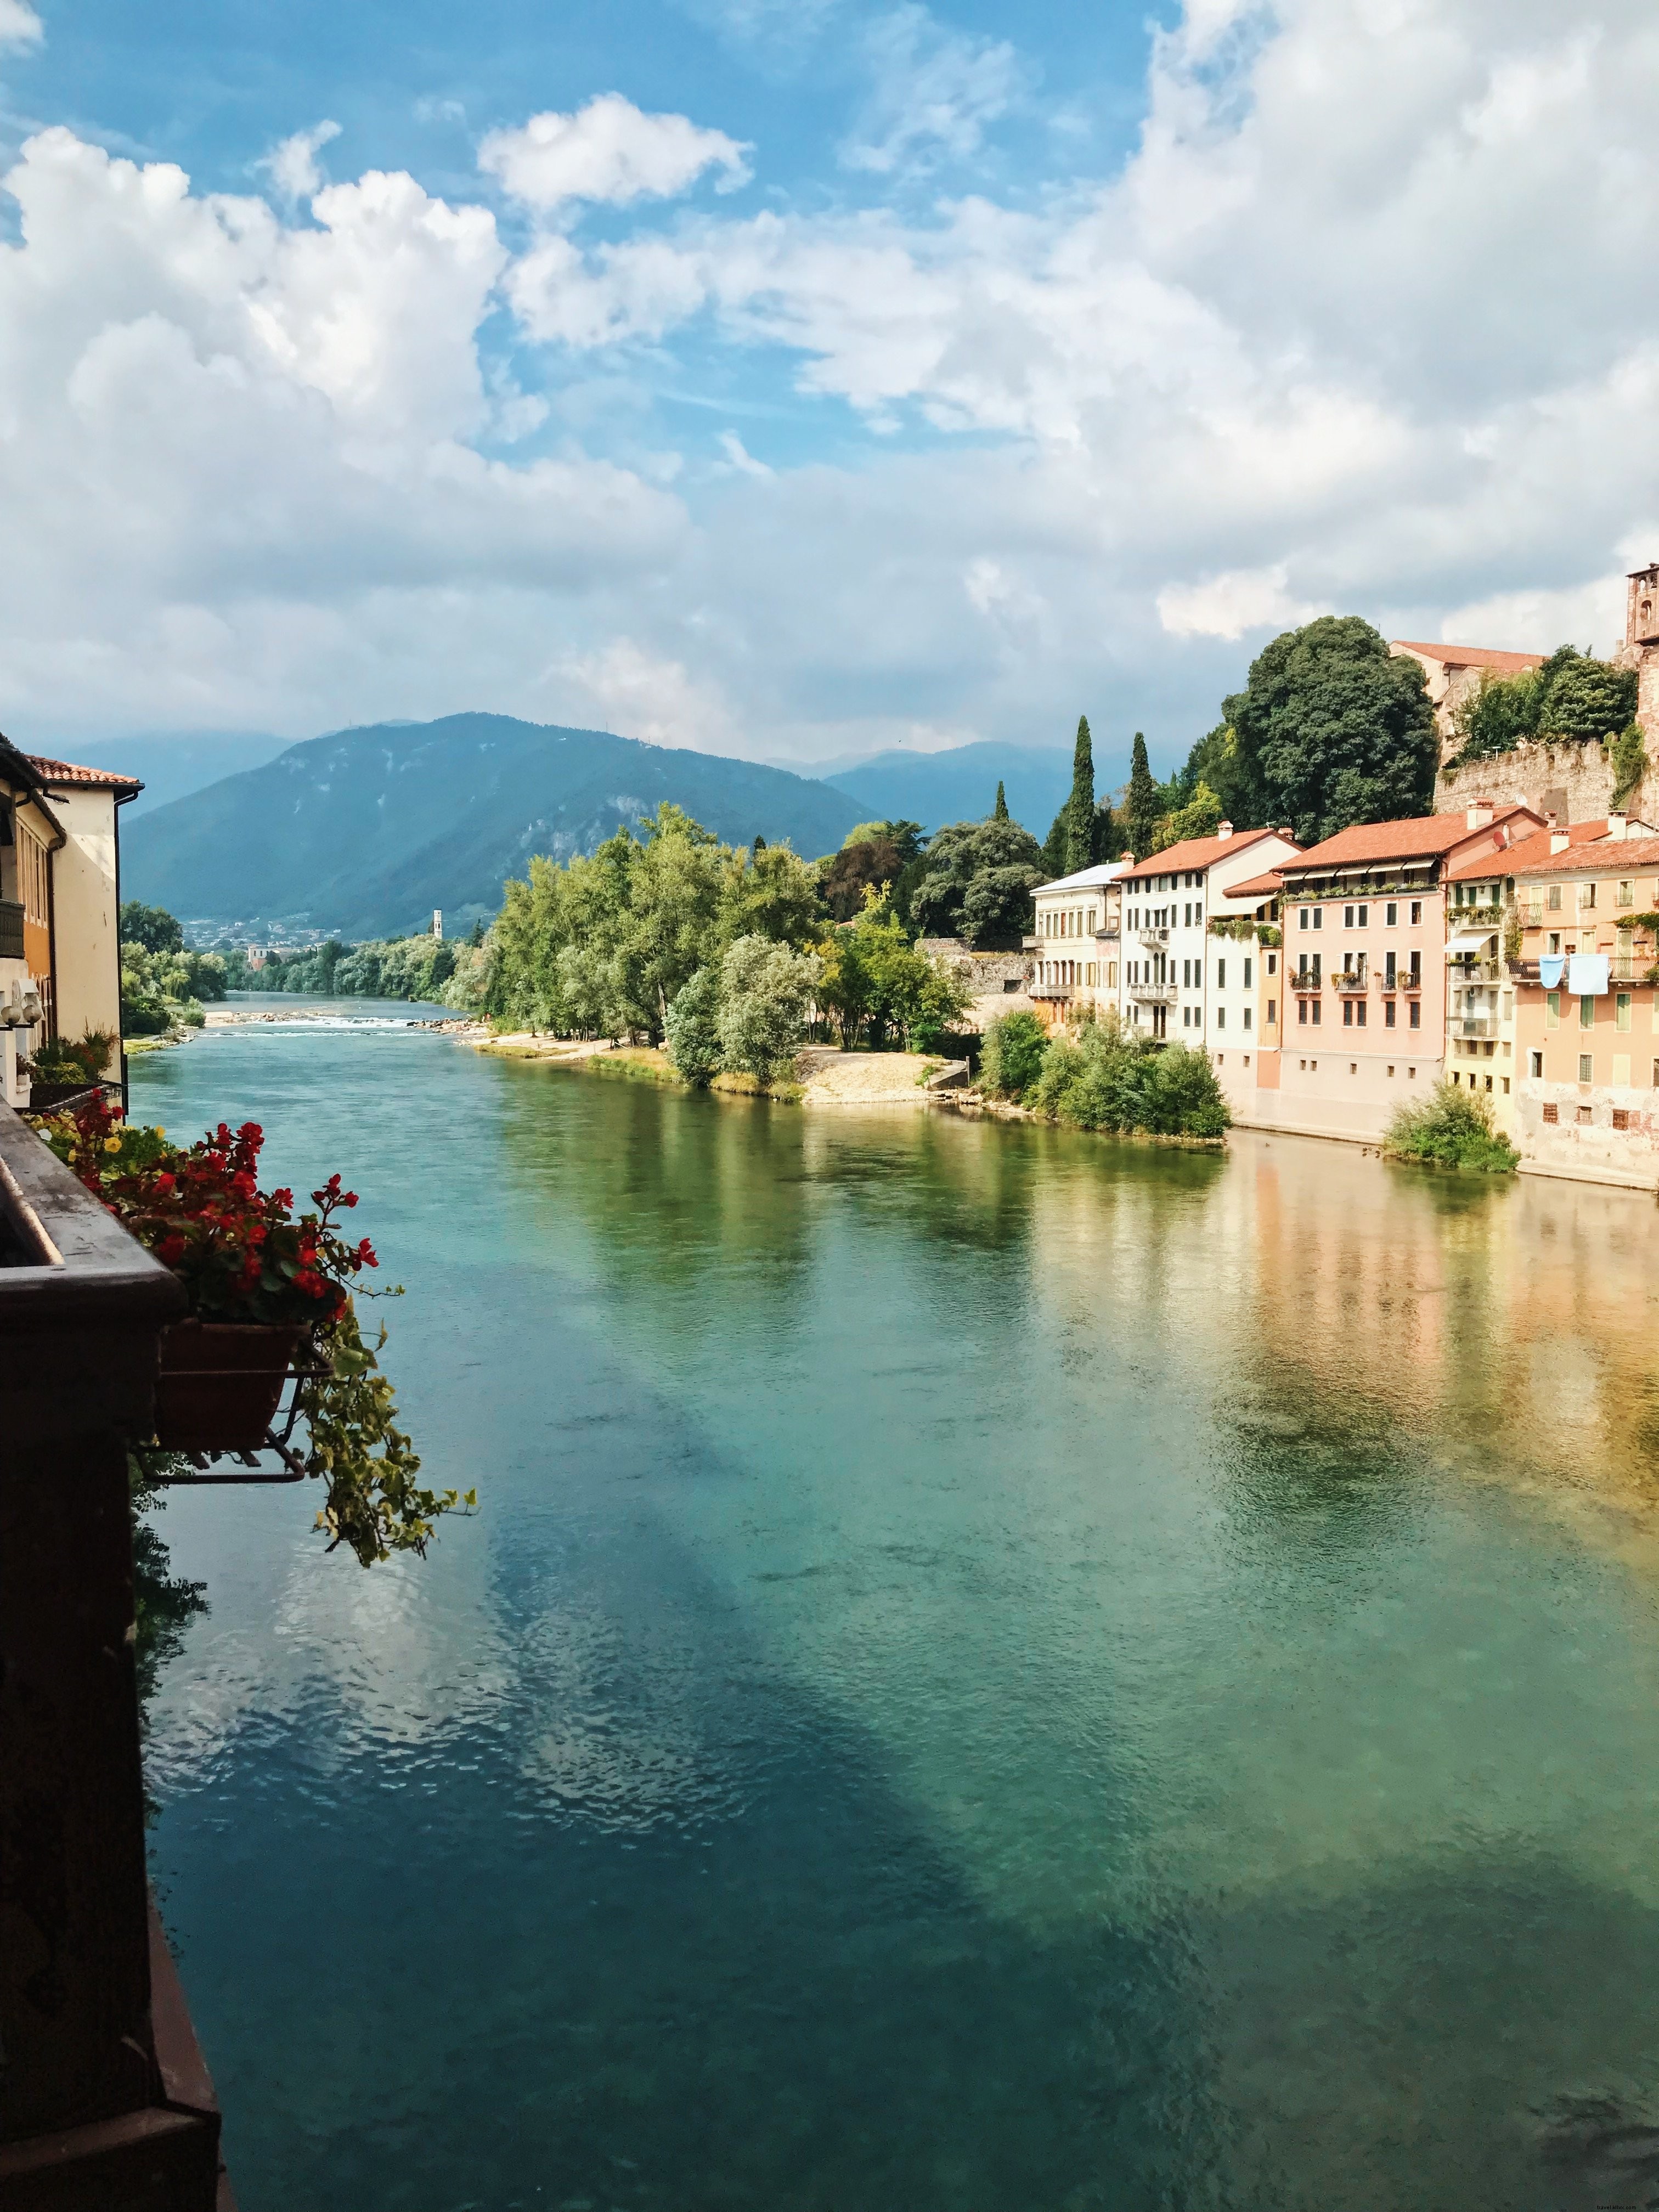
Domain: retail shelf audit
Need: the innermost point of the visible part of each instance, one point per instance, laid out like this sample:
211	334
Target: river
995	1671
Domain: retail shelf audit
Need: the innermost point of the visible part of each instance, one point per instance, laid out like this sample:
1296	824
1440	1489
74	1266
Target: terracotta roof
1259	887
1195	852
1421	838
1482	864
92	778
1471	656
1627	854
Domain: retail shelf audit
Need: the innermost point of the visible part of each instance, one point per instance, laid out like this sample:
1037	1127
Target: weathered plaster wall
1574	779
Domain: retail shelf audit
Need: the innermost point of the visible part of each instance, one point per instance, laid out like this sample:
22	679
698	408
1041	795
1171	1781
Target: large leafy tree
978	882
1331	729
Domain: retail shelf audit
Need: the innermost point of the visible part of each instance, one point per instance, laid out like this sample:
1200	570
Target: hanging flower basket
220	1383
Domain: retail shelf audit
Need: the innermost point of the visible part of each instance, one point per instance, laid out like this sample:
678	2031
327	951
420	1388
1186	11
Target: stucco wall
84	914
1592	1147
1330	1101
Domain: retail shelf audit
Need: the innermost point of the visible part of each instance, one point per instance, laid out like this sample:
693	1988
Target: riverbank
824	1075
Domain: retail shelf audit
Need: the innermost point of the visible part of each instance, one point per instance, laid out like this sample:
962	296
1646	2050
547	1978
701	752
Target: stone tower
1640	650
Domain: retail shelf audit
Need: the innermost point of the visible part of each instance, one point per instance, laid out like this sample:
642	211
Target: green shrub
1097	1076
1451	1128
1011	1054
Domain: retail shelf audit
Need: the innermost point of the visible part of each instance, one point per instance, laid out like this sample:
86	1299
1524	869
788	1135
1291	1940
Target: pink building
1362	1023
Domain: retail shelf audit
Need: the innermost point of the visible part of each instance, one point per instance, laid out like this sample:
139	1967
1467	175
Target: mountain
961	784
366	831
171	764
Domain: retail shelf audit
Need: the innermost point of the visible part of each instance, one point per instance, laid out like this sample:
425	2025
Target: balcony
1472	1026
1155	994
1028	944
1059	992
1474	971
1109	931
1631	967
1350	980
1304	981
1404	979
1155	938
11	930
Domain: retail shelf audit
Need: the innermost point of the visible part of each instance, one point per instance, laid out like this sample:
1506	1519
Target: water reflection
997	1669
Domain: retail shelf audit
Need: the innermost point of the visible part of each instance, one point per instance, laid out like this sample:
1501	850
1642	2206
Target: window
1388	1013
1621	1010
1273	1012
1365	917
1347	1013
1090	973
1621	1118
1302	1017
1304	917
1248	965
1626	894
1410	1075
1221	975
1552	1111
1319	917
1586	1114
1506	1086
1317	1005
1586	897
1536	1065
1353	1068
1246	1018
1587	1012
1358	1005
1347	917
1416	912
1415	1020
1552	898
1586	1068
1391	1067
1391	917
1552	1010
1221	1017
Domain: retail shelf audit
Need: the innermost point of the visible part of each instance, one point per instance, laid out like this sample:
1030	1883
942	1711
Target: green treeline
163	983
437	970
1095	1074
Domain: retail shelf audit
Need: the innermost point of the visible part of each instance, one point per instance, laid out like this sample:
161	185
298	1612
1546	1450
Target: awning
1468	942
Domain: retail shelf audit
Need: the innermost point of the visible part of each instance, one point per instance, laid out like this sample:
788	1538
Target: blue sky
799	380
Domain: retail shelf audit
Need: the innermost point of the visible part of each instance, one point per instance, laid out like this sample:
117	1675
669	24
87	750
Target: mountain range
365	831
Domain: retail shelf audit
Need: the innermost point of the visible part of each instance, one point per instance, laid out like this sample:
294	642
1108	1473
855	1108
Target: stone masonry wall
1574	780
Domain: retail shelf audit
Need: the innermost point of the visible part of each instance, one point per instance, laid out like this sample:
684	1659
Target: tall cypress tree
1001	813
1080	807
1145	803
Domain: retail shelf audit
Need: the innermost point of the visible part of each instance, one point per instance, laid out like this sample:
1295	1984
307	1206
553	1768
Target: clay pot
220	1383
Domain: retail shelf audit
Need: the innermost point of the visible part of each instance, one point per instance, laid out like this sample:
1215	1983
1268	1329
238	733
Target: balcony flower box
220	1383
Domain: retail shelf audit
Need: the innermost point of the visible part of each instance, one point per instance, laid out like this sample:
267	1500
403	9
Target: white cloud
19	25
740	457
1228	605
292	163
608	150
933	92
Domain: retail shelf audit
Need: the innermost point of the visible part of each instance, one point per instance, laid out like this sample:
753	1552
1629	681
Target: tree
693	1027
879	987
866	864
765	992
1000	812
978	882
1143	805
1012	1051
1589	698
1333	729
1080	806
151	926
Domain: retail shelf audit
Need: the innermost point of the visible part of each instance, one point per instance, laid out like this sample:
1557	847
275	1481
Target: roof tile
1193	853
1423	837
96	779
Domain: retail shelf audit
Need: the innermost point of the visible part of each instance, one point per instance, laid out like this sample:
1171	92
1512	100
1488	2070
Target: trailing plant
1629	756
1270	934
1451	1128
244	1256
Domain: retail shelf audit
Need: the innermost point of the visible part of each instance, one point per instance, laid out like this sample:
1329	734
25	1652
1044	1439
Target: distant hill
961	784
170	765
366	831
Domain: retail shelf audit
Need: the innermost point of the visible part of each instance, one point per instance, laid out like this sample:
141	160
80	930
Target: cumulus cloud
611	151
20	26
292	163
1360	325
934	91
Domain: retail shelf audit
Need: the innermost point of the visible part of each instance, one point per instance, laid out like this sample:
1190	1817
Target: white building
1077	941
1178	982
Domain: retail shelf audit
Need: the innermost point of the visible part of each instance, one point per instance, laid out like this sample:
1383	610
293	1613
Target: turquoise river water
995	1671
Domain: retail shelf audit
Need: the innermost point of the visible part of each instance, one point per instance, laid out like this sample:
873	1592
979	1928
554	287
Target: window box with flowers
272	1299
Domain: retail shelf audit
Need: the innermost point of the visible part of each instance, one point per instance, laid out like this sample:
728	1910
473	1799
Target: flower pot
220	1383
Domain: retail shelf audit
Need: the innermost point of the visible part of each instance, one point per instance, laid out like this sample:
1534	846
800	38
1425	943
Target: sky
796	379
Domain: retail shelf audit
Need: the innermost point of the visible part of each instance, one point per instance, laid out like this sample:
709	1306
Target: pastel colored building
1246	955
1169	988
1587	1010
1076	939
59	904
1363	1018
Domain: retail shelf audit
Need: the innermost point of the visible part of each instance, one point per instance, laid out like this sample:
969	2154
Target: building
1076	940
60	893
1363	1018
997	982
1587	1009
1168	986
1245	1028
1454	672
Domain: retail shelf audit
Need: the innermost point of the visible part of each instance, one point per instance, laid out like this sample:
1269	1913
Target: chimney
1224	830
1479	816
1560	840
1129	860
1618	826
